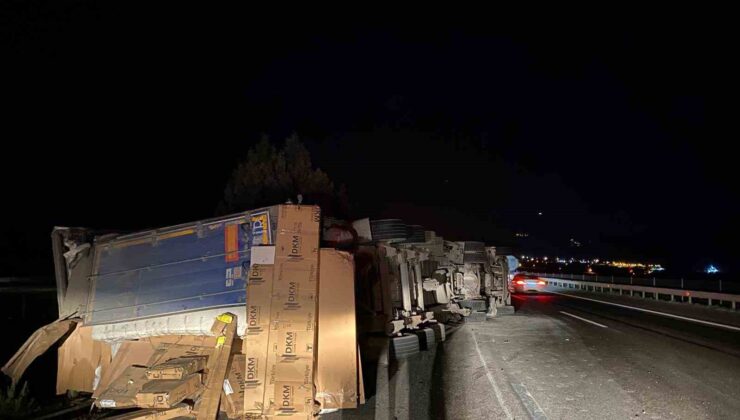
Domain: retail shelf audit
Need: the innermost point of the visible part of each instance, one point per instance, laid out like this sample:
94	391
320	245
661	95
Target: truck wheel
476	317
388	229
474	304
439	331
427	339
405	346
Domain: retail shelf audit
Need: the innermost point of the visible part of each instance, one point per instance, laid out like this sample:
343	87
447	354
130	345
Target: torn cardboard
176	369
360	381
37	344
167	393
129	353
336	367
164	352
185	340
232	398
81	361
180	410
121	393
218	364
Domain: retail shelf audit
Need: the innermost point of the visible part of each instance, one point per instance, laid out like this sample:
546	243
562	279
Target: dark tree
270	176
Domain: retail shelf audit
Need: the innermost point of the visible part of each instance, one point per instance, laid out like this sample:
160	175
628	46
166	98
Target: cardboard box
297	232
176	368
295	311
291	345
296	271
280	307
254	347
290	358
232	399
254	382
121	392
337	358
82	361
167	393
291	398
293	370
259	299
180	410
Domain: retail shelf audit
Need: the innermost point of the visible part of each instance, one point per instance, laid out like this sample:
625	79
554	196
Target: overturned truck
243	314
413	278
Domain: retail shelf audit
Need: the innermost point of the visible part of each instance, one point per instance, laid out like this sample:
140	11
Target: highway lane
693	330
564	357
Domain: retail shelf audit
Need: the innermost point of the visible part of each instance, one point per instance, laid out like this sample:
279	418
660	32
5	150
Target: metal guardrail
657	293
706	285
26	285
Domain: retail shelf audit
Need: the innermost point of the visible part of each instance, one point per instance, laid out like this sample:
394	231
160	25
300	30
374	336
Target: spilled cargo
214	316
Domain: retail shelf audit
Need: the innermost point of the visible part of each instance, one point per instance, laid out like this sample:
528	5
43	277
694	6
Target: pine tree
270	176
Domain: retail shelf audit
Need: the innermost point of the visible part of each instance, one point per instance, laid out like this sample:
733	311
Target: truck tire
474	247
427	339
388	229
404	346
415	234
474	304
476	317
440	332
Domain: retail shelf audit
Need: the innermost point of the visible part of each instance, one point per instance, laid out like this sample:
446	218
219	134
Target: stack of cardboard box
281	310
301	343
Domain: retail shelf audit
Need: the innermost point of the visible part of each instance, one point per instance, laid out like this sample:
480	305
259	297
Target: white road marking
584	319
684	318
530	404
496	390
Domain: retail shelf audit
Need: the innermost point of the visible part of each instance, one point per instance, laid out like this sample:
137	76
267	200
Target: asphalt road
561	357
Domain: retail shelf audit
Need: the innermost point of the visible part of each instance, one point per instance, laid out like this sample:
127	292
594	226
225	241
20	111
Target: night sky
620	134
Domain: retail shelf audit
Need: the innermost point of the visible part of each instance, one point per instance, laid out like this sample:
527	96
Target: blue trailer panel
186	268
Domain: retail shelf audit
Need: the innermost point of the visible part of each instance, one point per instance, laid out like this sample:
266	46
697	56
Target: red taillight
541	282
520	282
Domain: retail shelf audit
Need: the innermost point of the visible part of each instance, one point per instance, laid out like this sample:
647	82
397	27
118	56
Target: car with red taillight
526	283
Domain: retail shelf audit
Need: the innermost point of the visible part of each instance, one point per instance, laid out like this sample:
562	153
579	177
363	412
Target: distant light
711	269
539	214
